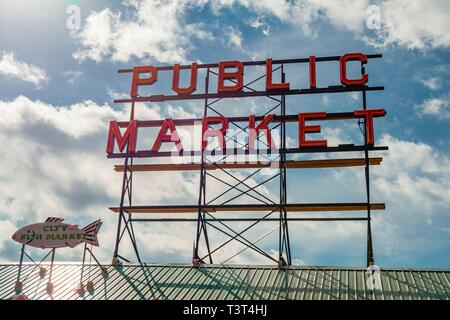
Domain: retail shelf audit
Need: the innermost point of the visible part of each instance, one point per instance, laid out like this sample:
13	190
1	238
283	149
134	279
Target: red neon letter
144	81
368	116
220	134
312	72
176	80
303	129
164	137
343	66
269	84
253	132
129	137
238	75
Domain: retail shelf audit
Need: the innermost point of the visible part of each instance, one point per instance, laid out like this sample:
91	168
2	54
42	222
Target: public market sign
230	83
54	234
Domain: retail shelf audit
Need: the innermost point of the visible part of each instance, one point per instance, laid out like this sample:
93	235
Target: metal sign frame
277	210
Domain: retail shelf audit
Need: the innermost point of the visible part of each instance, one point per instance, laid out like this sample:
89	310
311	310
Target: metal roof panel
224	282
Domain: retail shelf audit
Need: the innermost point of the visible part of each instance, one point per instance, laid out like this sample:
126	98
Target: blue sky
57	85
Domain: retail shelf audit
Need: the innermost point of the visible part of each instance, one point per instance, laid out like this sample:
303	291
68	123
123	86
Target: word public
236	76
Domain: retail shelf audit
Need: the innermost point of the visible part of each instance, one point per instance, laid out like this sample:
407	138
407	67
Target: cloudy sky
58	80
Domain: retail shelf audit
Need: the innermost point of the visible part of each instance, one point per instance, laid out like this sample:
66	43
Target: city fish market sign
53	233
230	83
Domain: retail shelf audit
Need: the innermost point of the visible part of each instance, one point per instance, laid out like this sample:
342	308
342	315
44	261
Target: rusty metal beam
290	164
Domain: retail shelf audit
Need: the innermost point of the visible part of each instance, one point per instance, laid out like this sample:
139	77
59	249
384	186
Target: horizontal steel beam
248	219
243	94
290	164
236	151
298	207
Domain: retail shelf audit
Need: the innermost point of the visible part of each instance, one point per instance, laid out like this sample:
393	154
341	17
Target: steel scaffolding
275	210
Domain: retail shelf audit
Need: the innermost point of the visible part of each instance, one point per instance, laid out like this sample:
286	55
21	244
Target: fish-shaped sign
54	234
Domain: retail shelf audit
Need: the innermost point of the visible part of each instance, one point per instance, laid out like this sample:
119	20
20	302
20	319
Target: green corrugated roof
226	282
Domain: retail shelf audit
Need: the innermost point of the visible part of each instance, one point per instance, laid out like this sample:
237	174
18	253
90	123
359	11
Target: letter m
128	137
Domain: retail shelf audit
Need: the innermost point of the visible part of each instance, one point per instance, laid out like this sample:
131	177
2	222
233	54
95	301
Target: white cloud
345	15
48	145
325	100
6	228
234	37
413	24
77	120
97	35
179	112
414	180
260	23
414	173
157	30
56	166
255	23
408	156
72	75
11	67
432	83
436	107
154	31
354	96
335	136
117	95
199	31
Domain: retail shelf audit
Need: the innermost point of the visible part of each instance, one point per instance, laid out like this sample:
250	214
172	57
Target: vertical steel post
21	261
119	222
286	234
18	286
201	225
284	244
50	284
51	265
129	224
82	265
125	187
370	258
280	231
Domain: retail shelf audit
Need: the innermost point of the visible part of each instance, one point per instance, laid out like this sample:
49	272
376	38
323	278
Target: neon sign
249	142
230	83
237	76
